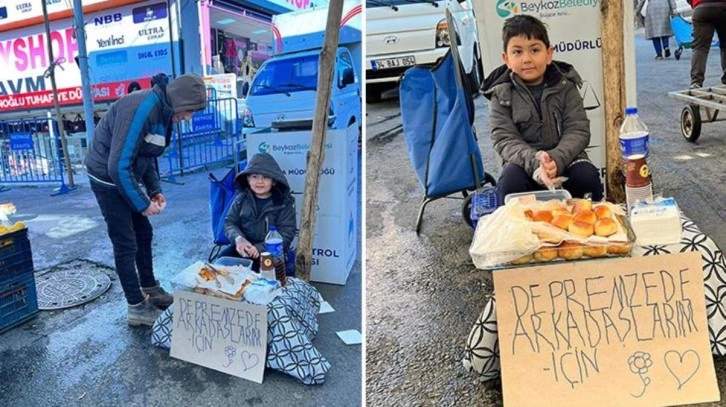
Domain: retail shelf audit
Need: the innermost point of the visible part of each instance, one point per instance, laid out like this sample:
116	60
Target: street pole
83	65
613	55
51	72
303	256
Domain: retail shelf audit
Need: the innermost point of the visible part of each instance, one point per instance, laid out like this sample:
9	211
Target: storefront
119	35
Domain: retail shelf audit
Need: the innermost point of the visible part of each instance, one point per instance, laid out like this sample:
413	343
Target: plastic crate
18	300
16	256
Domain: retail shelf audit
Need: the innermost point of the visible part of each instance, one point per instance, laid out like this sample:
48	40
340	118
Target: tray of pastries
531	232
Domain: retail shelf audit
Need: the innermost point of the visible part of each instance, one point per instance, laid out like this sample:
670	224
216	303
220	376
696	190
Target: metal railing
31	153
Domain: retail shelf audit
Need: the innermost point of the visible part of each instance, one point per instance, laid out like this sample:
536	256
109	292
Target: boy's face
260	185
528	58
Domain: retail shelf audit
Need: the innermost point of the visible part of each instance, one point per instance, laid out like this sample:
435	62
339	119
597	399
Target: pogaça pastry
584	215
595	250
602	211
562	221
582	229
581	205
570	250
605	227
545	254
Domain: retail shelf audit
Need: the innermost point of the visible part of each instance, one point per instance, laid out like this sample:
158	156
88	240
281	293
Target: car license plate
393	62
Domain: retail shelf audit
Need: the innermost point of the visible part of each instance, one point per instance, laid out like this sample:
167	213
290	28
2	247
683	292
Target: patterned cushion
482	347
291	326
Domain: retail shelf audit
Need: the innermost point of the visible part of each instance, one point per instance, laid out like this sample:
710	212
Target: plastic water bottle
633	136
273	244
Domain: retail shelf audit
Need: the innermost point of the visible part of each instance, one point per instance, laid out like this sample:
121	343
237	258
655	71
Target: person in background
538	122
135	130
133	87
263	200
657	24
708	16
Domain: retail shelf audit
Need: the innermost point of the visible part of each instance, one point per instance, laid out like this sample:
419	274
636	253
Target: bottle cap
273	228
631	110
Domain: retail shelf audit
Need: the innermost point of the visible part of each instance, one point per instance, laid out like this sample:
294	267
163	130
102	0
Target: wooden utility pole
303	256
613	58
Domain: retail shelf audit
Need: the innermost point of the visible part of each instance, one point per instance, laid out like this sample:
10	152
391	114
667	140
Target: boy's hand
245	248
548	165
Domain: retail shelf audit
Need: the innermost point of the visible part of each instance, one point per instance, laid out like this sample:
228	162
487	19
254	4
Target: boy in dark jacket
120	160
264	200
537	118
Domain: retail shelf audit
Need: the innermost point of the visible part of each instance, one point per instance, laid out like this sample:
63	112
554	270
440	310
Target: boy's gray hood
187	93
263	164
554	72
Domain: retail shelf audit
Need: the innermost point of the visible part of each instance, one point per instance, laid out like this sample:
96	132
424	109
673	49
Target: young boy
264	200
537	118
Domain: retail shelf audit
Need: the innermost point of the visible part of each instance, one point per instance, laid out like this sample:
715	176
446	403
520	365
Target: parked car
403	33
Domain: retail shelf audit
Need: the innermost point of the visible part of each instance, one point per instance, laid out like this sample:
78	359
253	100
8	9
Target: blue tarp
437	117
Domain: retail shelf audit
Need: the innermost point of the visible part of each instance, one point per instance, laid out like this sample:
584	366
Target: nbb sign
108	19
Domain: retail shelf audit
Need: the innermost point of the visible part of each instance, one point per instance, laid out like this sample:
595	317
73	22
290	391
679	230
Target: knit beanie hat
187	93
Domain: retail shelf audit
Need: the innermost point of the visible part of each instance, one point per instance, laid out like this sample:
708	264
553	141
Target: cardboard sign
223	335
616	332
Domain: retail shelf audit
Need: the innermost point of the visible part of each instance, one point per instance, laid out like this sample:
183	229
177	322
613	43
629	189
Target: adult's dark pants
582	178
130	233
707	18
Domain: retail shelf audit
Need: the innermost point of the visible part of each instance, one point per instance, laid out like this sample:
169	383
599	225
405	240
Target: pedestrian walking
657	24
135	130
708	16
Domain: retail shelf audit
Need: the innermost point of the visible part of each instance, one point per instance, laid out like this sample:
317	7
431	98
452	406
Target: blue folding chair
221	195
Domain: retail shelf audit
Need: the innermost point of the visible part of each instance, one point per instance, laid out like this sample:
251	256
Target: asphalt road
423	293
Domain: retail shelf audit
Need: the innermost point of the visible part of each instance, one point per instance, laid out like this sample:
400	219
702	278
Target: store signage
28	9
110	41
21	141
228	336
24	57
152	33
149	13
108	19
614	332
204	122
68	96
24	7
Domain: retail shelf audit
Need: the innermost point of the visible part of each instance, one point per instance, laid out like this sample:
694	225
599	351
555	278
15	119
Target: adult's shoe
144	313
160	298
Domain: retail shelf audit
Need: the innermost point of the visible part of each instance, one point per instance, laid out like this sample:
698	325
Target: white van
284	89
403	33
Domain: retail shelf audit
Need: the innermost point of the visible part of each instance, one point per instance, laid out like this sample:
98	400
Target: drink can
266	263
637	173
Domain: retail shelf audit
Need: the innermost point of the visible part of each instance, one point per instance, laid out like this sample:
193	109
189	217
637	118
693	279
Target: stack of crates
18	296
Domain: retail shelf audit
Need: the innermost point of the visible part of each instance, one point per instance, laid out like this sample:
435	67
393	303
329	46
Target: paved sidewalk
87	355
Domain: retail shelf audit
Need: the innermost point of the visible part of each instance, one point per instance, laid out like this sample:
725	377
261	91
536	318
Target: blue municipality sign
204	122
21	141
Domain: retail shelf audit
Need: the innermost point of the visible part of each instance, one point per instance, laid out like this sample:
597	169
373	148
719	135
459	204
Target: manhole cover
68	288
